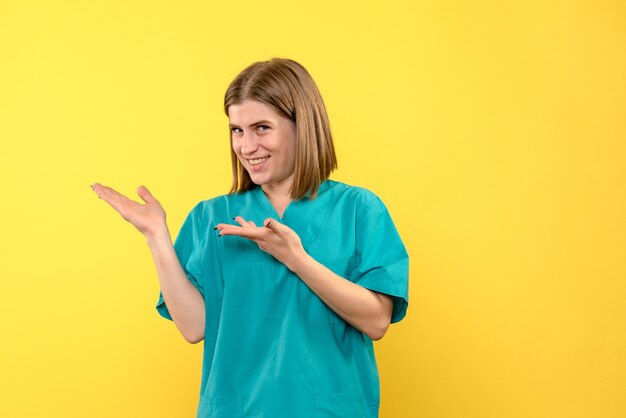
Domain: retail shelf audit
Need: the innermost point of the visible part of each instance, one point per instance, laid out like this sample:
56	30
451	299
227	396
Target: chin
258	180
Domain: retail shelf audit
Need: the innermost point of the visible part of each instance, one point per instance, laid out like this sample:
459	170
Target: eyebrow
261	122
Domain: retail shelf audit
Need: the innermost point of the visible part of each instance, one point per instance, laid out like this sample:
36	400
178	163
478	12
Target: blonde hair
287	86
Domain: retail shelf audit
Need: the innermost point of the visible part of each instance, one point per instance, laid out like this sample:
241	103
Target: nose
248	143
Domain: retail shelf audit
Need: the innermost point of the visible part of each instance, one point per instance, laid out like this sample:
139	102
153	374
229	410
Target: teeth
258	160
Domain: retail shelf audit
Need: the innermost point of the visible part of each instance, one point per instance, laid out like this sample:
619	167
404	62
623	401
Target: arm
183	300
368	311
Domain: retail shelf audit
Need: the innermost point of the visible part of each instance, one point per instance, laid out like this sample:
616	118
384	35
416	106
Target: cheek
292	153
234	145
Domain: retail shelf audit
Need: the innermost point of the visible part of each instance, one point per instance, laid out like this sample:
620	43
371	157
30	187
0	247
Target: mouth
257	161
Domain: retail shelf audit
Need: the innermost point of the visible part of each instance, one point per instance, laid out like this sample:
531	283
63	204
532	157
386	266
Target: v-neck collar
266	201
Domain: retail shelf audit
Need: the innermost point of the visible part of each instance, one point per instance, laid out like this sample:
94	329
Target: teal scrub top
272	348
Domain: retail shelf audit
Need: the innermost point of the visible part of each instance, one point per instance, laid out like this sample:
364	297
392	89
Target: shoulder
362	198
207	208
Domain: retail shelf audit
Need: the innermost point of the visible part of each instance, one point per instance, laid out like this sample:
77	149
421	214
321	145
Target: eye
236	130
263	128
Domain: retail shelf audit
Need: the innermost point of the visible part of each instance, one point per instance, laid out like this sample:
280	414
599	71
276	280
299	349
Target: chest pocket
315	309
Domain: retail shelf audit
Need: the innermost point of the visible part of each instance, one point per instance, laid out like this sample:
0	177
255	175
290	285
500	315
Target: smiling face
264	142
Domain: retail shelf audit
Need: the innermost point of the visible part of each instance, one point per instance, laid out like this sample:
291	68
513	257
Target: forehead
250	111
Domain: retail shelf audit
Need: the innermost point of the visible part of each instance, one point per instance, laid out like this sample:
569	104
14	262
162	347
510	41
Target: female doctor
290	276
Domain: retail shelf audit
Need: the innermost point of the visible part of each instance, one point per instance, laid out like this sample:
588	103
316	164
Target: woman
290	276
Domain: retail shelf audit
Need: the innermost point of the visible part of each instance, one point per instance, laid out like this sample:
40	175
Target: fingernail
235	218
214	228
219	236
268	224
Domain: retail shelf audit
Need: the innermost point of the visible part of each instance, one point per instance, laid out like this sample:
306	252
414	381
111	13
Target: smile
258	160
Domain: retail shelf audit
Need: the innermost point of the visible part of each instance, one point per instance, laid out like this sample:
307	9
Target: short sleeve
188	247
382	259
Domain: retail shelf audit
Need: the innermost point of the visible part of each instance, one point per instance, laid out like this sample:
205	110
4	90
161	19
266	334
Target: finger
272	224
221	226
250	233
97	188
108	194
145	194
101	189
112	197
242	221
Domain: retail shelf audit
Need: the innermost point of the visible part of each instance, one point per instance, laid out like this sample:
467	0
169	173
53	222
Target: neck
278	191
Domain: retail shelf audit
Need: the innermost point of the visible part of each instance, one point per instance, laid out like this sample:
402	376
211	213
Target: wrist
158	238
300	262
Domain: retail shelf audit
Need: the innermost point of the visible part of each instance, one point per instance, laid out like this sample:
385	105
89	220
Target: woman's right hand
149	219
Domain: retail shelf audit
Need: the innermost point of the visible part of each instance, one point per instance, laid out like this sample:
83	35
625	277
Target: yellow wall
494	131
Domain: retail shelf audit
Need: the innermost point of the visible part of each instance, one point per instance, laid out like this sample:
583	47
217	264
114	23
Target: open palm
148	218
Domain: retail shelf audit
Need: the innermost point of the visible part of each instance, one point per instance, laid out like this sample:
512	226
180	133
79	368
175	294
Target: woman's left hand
273	237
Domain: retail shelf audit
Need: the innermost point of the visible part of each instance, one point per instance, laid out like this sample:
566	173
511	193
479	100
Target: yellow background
495	132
